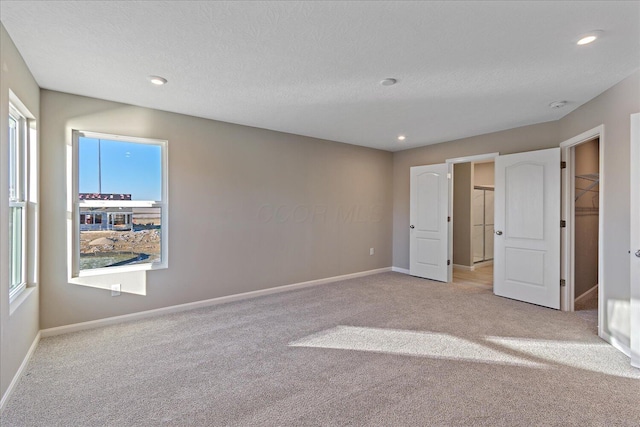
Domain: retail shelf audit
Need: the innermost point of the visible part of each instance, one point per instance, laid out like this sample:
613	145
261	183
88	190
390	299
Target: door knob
499	233
638	253
413	226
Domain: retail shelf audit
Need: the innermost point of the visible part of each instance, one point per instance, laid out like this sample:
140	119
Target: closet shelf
593	178
589	176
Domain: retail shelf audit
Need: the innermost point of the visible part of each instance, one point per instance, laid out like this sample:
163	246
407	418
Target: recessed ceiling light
587	40
388	82
589	37
557	104
157	80
401	137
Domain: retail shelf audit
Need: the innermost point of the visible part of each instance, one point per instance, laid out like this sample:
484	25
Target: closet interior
586	220
482	223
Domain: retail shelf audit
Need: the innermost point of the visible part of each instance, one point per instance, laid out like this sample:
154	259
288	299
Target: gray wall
484	173
18	322
613	109
250	209
586	220
462	224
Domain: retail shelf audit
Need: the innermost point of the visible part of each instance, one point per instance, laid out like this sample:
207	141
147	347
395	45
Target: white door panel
635	240
428	218
488	242
527	224
524	201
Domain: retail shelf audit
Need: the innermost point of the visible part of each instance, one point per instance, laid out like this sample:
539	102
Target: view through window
121	201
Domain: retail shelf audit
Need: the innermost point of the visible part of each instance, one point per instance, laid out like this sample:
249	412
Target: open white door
428	234
527	223
635	240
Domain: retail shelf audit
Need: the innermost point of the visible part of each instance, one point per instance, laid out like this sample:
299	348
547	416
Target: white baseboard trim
483	263
463	267
199	304
18	374
587	294
616	343
400	270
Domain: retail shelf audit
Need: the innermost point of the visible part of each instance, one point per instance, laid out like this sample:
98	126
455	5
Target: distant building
103	196
97	219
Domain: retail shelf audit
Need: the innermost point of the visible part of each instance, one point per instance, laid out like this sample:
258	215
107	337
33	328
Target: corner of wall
19	321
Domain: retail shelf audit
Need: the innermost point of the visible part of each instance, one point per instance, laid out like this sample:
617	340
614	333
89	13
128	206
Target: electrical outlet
372	251
115	290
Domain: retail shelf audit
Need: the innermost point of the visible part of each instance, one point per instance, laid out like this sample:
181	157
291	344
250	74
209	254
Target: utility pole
99	170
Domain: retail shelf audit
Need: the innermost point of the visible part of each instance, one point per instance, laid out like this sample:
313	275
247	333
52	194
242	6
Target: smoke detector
557	104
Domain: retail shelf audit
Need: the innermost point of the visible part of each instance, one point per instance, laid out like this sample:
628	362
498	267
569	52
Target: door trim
450	163
634	272
567	269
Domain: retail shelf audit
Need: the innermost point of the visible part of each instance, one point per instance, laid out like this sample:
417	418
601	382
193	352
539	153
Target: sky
125	167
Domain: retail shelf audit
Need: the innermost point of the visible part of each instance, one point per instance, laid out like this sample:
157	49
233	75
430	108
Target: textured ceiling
313	68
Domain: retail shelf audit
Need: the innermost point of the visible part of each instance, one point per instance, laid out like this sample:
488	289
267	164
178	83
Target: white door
527	223
428	232
635	240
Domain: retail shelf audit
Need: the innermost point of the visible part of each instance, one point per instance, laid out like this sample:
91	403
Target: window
17	202
120	189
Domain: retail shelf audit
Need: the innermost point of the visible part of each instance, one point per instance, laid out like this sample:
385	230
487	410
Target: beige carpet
385	350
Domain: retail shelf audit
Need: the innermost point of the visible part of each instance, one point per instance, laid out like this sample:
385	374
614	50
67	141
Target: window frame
78	205
18	163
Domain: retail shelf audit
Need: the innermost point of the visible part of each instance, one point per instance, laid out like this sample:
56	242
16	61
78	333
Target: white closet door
489	201
429	232
527	223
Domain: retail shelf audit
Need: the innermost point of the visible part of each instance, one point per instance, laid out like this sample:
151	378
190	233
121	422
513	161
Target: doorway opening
586	215
473	230
582	261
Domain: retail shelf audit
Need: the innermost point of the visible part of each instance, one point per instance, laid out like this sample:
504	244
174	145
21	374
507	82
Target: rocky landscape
143	241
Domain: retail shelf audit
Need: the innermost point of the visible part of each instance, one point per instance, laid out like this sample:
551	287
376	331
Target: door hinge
563	283
563	165
448	262
448	219
563	223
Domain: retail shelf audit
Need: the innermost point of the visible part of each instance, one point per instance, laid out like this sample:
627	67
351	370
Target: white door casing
527	224
567	246
634	252
428	233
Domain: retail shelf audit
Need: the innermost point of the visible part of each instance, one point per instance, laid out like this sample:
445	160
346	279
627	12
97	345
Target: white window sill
123	269
20	298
